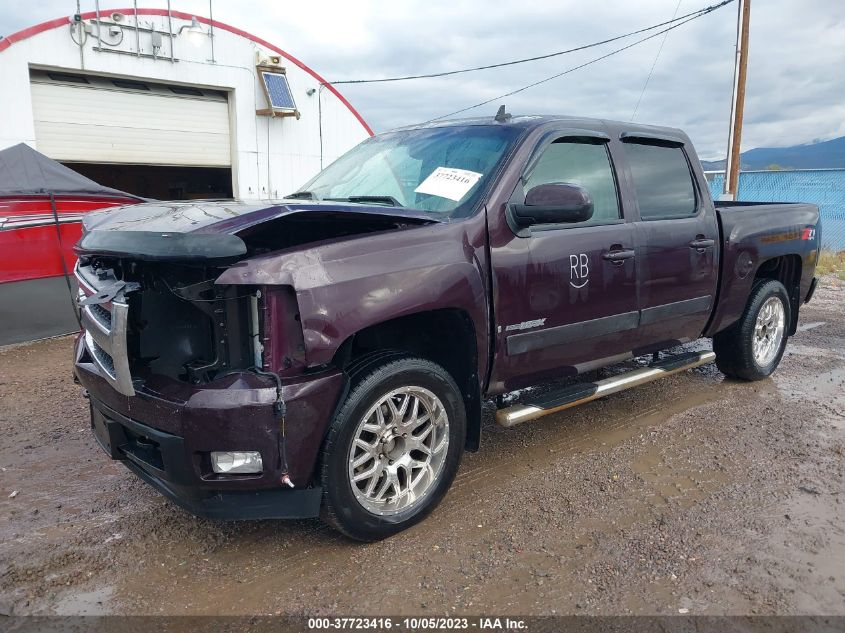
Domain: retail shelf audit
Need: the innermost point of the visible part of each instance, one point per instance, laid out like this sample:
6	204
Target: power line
653	64
592	61
692	14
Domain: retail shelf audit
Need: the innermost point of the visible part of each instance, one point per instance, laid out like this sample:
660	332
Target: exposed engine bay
174	320
180	324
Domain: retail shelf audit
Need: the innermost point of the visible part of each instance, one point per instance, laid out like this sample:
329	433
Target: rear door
677	244
565	293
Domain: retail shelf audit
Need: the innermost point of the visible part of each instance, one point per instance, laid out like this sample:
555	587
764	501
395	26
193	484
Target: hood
214	230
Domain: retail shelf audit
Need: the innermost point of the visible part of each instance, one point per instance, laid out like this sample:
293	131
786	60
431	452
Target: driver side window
586	165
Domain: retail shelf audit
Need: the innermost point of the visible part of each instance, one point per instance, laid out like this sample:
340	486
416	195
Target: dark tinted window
586	165
662	180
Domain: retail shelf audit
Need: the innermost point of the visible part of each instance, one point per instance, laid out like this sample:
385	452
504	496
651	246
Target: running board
585	392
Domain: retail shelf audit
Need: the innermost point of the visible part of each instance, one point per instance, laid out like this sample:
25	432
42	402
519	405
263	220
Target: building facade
168	105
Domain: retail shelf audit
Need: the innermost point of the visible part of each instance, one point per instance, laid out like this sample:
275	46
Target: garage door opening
161	182
154	140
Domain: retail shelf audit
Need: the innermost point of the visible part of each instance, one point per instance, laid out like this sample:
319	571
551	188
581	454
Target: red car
42	204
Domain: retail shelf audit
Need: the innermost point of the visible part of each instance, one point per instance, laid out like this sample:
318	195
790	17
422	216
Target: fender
749	239
345	286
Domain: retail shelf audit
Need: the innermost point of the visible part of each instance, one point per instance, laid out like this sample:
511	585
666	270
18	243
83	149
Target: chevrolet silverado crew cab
329	354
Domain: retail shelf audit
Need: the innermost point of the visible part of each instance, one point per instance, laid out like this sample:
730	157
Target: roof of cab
532	121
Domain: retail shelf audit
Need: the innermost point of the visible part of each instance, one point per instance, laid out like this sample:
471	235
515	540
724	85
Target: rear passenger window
586	165
662	181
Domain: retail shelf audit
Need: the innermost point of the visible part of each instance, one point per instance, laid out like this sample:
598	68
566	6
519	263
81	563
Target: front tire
393	449
751	349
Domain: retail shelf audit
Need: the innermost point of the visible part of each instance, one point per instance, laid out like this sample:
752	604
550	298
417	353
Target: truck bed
753	232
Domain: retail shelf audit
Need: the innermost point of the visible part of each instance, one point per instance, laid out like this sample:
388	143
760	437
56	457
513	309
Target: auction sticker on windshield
448	182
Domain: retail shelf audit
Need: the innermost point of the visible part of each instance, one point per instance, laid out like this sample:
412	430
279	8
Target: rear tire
393	449
752	348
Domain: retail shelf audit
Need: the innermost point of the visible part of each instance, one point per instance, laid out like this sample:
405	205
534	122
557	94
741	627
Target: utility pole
732	161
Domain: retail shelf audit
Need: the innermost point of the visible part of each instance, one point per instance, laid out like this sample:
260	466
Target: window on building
586	165
186	91
129	84
662	180
68	78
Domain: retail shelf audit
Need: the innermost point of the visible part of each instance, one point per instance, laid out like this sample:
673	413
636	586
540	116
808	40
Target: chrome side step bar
585	392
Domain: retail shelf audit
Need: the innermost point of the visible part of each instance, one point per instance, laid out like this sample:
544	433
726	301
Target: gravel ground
692	494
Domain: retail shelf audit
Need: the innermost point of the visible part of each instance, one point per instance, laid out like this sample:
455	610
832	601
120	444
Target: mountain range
821	155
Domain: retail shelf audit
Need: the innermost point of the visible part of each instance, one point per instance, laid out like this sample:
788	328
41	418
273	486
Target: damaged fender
344	287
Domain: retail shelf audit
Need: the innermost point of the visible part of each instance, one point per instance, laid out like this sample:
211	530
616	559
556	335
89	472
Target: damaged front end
150	301
182	367
169	319
174	367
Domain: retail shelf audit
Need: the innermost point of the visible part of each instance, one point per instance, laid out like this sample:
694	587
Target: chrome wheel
768	331
398	450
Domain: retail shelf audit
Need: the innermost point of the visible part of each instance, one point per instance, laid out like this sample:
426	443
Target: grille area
102	315
100	355
143	319
105	326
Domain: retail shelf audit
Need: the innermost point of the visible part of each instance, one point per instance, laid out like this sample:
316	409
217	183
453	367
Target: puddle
805	327
682	485
828	384
94	602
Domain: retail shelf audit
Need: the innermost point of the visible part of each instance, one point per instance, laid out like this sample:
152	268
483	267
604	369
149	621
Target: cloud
795	83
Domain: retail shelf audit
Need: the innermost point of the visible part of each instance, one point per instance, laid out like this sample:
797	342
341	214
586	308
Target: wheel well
787	270
445	337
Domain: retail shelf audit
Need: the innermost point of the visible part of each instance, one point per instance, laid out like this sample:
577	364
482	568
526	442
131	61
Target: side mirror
553	203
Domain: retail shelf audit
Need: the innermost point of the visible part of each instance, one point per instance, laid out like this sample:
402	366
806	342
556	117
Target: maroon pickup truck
329	354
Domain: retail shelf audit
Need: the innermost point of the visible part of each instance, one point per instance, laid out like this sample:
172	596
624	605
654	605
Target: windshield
439	170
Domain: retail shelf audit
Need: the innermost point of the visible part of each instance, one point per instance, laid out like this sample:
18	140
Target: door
104	120
676	241
565	294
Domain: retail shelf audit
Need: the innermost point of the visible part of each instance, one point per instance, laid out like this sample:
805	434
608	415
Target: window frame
579	136
655	140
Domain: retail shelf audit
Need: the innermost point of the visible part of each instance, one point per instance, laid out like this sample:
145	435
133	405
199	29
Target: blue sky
796	85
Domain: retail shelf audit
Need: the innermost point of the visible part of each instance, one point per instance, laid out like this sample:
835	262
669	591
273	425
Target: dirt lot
693	493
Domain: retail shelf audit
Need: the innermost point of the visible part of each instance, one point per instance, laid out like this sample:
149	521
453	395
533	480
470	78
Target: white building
168	105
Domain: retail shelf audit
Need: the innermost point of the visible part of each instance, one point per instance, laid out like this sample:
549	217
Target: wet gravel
692	494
